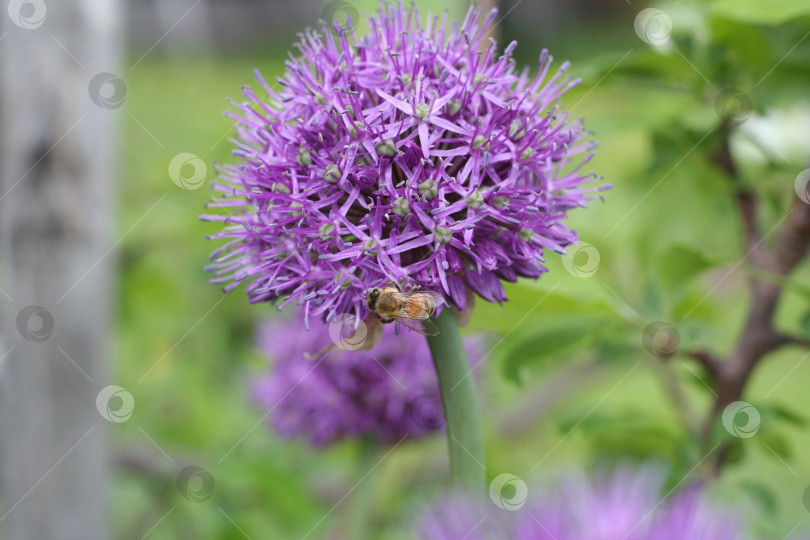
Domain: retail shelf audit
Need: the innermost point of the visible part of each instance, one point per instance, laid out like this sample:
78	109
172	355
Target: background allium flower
402	155
387	393
628	505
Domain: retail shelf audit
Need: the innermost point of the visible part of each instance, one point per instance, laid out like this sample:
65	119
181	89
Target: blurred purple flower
387	393
627	505
404	155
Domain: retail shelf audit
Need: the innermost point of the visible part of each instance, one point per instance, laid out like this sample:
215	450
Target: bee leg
395	285
387	321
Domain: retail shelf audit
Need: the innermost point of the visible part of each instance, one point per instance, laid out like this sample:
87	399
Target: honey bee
412	309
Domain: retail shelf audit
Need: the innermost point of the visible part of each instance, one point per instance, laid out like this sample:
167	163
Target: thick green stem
362	505
460	401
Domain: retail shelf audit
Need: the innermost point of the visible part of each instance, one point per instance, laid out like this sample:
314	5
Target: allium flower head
628	505
387	393
405	155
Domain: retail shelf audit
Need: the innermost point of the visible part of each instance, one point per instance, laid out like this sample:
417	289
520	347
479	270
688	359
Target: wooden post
57	150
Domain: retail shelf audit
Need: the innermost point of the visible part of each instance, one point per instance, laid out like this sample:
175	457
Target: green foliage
551	341
804	323
774	12
764	496
679	264
788	415
670	250
629	434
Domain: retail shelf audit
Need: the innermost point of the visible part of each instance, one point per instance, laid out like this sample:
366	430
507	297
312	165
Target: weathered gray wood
56	182
186	24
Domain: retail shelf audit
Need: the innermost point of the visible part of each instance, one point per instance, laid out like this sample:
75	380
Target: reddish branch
746	198
707	360
758	336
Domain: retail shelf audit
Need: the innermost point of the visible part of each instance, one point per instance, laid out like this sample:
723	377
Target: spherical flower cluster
628	505
405	155
387	393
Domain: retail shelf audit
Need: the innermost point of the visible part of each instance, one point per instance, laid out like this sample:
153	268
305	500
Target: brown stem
746	198
781	340
707	360
758	336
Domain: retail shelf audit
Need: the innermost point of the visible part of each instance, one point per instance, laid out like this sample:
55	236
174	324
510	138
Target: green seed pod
370	246
387	148
527	235
516	131
443	235
428	189
475	200
332	174
500	201
304	158
401	207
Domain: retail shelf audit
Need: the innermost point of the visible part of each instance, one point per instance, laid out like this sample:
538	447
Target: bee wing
435	298
424	327
432	301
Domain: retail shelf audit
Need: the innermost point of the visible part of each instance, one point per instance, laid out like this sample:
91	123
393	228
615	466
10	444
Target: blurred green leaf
651	304
627	433
674	142
680	263
759	11
788	415
736	45
719	434
530	305
804	324
775	444
609	347
554	338
762	495
735	452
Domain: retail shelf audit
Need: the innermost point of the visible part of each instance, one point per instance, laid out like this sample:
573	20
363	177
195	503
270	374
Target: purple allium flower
388	393
627	505
403	155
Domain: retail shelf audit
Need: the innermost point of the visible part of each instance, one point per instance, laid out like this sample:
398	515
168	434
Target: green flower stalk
460	401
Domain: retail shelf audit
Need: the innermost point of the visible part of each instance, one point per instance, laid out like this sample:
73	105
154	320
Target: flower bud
475	199
370	246
428	189
443	235
401	207
332	174
304	158
386	148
